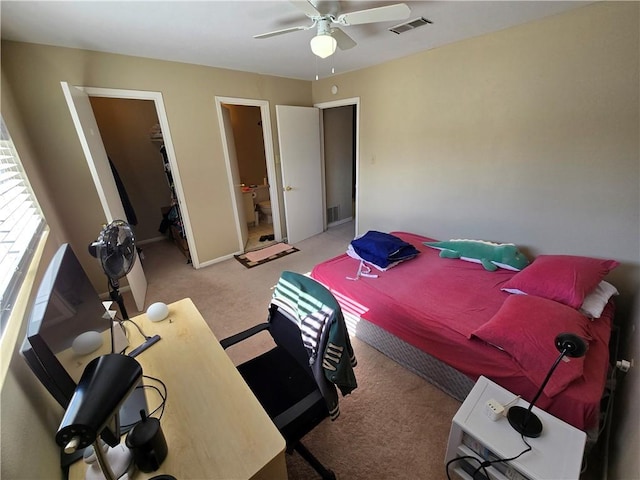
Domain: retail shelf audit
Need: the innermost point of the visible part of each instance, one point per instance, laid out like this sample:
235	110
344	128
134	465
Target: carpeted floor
395	425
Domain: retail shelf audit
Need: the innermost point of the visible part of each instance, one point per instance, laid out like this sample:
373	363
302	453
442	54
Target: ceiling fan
329	37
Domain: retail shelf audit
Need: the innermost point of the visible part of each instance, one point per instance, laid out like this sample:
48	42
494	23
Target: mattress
435	305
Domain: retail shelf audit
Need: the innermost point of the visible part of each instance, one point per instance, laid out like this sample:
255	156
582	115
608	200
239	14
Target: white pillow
594	303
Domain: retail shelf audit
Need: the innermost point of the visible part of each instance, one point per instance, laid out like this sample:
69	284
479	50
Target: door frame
230	148
342	103
158	101
272	176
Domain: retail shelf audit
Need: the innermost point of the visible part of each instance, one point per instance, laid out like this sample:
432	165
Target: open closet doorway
103	173
134	142
340	127
246	139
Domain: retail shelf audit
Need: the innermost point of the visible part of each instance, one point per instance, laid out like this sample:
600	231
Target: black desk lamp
105	384
523	420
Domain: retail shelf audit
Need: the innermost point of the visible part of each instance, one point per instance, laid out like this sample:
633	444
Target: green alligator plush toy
490	255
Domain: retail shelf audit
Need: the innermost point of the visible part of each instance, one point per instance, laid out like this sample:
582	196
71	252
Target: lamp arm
102	461
546	380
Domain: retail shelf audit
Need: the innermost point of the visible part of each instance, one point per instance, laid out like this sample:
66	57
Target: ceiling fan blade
345	42
307	8
280	32
398	11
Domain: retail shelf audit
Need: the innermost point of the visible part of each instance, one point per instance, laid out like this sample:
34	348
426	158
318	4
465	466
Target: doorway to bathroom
246	141
339	188
248	137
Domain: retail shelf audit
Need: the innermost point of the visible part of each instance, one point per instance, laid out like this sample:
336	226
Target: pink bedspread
435	304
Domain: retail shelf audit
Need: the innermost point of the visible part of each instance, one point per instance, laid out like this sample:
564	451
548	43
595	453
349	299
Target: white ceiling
219	33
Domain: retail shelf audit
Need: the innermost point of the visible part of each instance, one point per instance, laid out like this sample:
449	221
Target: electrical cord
146	337
606	425
483	464
163	395
488	463
515	399
122	321
162	392
457	459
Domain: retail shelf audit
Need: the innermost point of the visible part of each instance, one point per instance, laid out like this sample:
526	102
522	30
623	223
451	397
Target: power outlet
494	409
624	365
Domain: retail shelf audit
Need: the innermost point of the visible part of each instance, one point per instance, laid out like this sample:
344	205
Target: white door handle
288	188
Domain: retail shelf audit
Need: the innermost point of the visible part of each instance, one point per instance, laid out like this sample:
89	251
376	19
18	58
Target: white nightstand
555	455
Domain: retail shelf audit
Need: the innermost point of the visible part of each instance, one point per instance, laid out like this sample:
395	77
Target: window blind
21	223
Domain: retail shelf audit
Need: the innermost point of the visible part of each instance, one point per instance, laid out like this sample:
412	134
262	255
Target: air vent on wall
333	214
410	25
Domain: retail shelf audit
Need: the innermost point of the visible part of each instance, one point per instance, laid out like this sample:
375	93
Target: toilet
265	210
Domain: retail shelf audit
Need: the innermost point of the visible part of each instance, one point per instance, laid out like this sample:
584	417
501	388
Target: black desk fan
115	248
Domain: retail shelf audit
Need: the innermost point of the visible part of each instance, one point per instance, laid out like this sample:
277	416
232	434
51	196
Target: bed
450	321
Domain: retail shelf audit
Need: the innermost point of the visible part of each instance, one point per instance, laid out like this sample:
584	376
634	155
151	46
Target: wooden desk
214	426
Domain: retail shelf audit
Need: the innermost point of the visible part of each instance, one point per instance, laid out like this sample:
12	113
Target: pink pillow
525	327
566	279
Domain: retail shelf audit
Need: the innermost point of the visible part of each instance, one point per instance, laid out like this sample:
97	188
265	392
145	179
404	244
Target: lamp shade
571	345
323	45
105	384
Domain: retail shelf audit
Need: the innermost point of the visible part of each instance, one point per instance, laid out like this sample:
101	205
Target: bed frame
446	378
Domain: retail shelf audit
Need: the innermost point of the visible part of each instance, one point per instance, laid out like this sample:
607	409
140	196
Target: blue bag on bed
382	249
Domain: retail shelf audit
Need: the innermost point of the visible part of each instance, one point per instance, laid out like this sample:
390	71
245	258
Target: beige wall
528	135
189	91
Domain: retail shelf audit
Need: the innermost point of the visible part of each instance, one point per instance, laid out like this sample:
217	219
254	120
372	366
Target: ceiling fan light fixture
323	45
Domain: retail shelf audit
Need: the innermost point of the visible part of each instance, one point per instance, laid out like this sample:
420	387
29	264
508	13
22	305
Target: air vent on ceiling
410	25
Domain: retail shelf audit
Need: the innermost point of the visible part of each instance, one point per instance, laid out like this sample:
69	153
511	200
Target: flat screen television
67	308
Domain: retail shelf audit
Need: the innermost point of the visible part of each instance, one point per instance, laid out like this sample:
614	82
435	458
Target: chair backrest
286	333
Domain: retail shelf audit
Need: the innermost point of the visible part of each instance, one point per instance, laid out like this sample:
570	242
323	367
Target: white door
234	171
301	163
94	152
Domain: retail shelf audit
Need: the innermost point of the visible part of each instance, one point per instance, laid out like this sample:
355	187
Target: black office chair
283	381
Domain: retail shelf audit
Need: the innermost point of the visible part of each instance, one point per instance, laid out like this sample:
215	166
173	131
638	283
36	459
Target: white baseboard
218	260
339	222
151	240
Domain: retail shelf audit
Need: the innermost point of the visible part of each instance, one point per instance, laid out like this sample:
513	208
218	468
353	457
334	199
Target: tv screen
69	326
67	308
